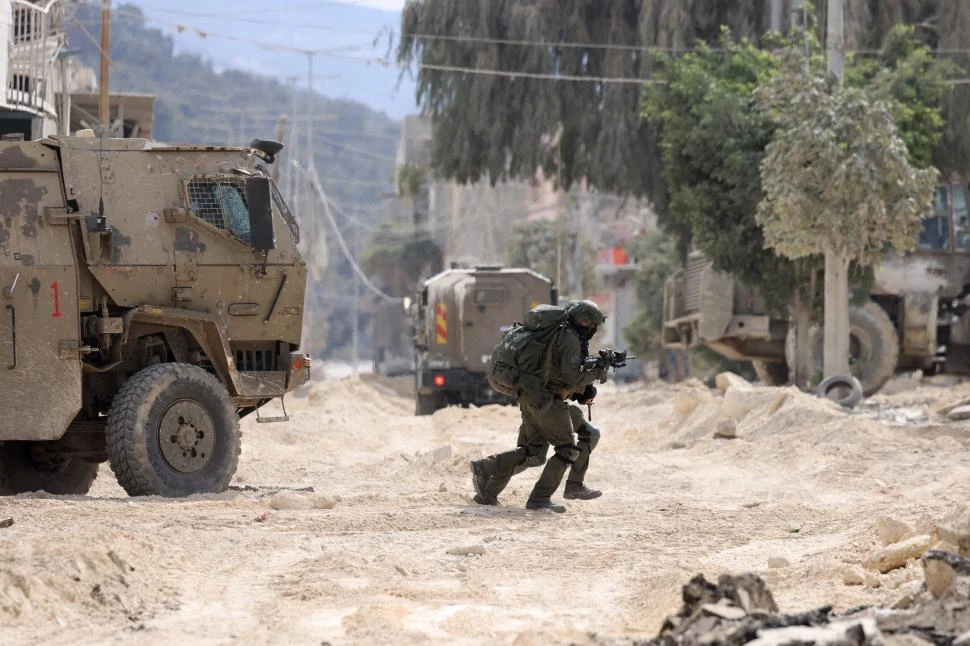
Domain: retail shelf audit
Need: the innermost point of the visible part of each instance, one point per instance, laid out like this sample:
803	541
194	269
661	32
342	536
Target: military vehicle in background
150	296
917	317
459	316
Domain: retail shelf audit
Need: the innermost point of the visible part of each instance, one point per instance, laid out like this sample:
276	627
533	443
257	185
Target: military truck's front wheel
173	431
25	466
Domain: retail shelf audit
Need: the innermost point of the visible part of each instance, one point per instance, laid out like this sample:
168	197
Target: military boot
544	505
479	476
579	491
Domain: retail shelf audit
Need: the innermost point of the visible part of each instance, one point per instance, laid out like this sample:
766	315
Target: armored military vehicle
918	315
459	317
150	296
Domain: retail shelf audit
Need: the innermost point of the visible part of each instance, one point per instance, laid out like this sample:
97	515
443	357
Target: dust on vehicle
151	296
459	317
917	316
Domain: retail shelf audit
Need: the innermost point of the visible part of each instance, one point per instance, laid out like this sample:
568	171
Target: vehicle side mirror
262	236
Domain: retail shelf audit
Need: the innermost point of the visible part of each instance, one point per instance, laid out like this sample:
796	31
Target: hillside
354	145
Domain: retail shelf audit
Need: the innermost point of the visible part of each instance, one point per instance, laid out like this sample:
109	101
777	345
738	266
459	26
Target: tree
837	181
656	257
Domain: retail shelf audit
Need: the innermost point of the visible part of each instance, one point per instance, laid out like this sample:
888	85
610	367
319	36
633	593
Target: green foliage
401	257
499	127
656	257
712	143
837	177
912	82
410	178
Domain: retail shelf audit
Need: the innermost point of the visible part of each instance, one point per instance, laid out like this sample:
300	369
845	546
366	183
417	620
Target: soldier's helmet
586	314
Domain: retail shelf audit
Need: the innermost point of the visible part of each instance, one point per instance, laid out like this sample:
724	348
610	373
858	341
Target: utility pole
776	15
104	114
835	355
355	314
290	174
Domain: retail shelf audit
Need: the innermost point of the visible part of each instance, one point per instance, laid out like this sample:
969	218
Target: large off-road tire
426	404
772	373
873	347
173	431
24	467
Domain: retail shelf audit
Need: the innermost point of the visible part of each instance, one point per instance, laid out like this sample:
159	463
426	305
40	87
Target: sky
246	34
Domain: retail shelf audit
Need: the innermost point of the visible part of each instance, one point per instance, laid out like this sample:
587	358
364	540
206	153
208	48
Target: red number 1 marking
57	300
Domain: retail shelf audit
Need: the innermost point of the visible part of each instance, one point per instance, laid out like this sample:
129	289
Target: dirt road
369	555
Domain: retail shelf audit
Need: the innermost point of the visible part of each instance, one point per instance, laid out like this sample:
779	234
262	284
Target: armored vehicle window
936	229
489	295
961	218
222	203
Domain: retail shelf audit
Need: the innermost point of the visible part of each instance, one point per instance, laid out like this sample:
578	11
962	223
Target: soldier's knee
567	453
589	434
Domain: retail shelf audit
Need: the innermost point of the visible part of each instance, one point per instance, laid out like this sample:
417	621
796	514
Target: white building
32	43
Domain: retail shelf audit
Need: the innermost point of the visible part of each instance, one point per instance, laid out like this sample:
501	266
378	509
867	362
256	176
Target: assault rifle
607	359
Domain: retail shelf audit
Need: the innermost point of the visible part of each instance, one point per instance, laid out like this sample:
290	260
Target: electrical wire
311	176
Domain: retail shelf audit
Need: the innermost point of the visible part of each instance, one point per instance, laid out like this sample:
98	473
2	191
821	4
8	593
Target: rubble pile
741	610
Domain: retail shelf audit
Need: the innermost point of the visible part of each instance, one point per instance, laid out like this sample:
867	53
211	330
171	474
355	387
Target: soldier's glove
585	397
601	373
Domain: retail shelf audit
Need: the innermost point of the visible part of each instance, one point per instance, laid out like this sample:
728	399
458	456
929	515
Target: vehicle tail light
439	380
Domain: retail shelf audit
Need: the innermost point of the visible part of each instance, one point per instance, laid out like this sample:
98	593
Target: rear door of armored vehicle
40	375
489	304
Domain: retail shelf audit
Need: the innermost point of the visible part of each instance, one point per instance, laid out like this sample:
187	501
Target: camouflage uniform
561	425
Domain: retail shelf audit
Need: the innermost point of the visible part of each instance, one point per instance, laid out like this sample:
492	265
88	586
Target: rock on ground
727	380
896	555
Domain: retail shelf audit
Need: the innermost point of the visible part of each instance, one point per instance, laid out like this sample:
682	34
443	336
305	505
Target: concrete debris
714	614
959	413
853	575
896	555
947	574
727	380
727	429
693	394
889	530
956	531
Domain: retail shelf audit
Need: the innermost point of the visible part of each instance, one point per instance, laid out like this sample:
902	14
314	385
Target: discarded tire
851	390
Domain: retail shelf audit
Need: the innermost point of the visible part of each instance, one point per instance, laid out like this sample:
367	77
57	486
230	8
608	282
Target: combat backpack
517	367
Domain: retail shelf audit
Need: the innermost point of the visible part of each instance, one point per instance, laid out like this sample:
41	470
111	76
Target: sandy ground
368	556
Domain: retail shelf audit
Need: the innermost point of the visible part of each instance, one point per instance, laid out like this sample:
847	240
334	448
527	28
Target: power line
534	75
322	197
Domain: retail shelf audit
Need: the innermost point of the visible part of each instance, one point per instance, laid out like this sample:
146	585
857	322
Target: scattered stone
871	580
853	575
262	518
959	413
6	522
896	555
467	550
443	487
956	530
690	396
727	429
294	500
401	570
673	446
947	408
903	602
442	453
946	574
727	380
776	562
889	530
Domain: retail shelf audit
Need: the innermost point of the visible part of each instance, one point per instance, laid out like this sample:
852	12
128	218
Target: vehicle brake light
439	380
298	363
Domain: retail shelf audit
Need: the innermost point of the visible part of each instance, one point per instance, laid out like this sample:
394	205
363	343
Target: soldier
560	425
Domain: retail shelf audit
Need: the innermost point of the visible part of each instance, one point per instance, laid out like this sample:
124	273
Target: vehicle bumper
458	386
